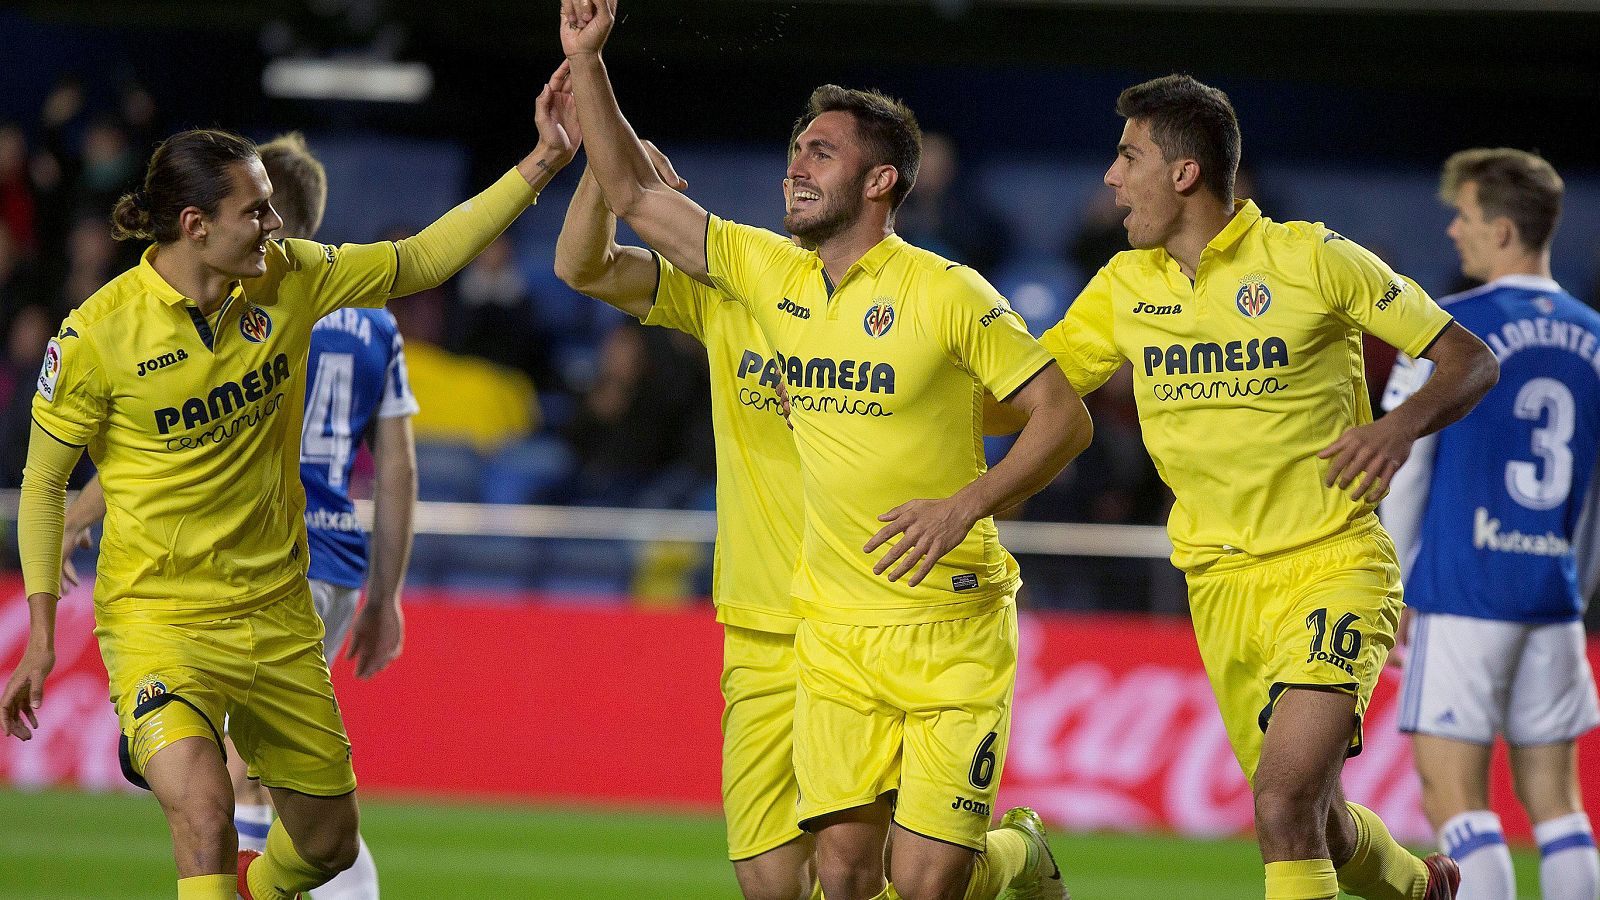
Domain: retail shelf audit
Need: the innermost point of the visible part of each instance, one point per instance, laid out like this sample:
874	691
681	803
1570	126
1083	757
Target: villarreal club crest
1253	297
255	325
880	317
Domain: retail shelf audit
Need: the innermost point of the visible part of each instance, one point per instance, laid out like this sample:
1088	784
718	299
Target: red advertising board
536	698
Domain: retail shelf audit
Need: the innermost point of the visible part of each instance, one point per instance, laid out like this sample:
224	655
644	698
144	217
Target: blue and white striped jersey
356	374
1494	516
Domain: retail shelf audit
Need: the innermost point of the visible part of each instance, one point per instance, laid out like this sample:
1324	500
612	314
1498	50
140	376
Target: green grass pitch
65	846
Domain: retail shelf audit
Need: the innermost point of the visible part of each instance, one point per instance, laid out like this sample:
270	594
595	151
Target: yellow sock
208	887
1381	869
994	868
1302	879
280	872
816	891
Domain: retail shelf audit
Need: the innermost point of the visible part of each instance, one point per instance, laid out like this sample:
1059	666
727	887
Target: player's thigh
847	738
955	681
289	727
759	792
336	607
1454	773
1458	676
1552	692
171	682
923	867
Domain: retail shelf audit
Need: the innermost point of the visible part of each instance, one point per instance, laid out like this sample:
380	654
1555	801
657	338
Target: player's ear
192	224
1185	176
881	181
1505	232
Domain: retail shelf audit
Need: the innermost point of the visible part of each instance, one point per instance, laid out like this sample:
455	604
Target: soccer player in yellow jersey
1245	340
183	378
907	656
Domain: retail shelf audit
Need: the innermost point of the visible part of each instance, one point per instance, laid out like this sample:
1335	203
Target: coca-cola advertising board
584	700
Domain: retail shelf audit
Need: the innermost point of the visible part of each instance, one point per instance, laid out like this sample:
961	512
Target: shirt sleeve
332	277
681	303
1082	342
742	260
398	400
42	510
73	395
985	336
1362	290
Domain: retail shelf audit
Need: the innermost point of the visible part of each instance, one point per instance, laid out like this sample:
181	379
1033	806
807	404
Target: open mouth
801	198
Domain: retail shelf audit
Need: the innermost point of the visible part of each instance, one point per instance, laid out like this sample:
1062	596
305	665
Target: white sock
1478	845
359	882
252	822
1569	868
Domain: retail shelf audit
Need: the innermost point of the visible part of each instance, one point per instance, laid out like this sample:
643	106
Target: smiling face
1477	238
1145	185
236	237
827	179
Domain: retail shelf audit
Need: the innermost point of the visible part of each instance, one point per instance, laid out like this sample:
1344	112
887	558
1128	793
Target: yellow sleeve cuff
442	249
42	510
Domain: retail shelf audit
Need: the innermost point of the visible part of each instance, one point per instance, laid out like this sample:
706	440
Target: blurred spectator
92	260
494	318
643	431
16	191
464	399
109	168
31	328
943	213
19	283
1100	236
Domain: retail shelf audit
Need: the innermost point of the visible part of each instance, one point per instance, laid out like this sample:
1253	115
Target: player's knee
929	885
330	849
202	824
1284	808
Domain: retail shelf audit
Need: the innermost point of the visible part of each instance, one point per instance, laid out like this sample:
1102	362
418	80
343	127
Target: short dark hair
191	168
299	184
888	128
1189	120
1518	185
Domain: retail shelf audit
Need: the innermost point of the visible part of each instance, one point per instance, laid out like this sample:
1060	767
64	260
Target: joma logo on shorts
1325	656
971	806
162	361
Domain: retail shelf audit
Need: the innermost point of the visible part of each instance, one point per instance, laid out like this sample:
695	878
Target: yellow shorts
923	710
1321	617
758	786
261	672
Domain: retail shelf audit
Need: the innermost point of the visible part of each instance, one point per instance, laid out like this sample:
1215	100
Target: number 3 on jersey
1552	444
325	439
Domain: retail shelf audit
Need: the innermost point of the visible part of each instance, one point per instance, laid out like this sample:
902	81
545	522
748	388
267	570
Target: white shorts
1469	679
336	605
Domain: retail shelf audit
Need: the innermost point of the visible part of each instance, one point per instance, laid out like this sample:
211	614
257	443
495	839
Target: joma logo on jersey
1394	291
819	372
1253	299
1154	310
255	325
794	309
225	398
1206	357
162	361
972	806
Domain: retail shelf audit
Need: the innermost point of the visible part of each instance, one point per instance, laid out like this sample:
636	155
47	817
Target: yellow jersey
759	508
1242	376
194	424
886	373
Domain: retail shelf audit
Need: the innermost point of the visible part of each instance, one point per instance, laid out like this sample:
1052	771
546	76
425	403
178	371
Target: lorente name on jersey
224	400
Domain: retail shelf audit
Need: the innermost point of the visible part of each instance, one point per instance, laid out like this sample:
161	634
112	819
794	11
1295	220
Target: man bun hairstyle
191	168
299	184
888	129
1515	184
1189	120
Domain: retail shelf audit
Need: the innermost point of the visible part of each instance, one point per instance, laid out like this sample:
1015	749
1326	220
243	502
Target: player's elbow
578	274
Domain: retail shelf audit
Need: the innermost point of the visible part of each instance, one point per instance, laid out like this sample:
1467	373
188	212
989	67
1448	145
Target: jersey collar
1245	217
1527	283
872	263
166	293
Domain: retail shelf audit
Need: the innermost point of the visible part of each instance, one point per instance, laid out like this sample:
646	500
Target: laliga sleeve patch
50	372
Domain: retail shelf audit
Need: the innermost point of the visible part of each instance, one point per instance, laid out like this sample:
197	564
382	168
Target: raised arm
667	220
430	257
588	257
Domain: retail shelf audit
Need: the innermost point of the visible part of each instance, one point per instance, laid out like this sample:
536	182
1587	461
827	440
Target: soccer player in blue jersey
356	392
1494	520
